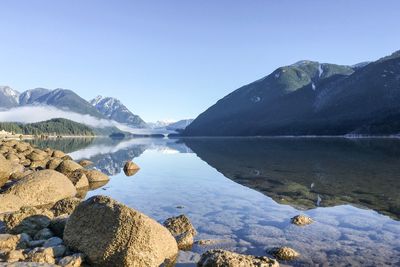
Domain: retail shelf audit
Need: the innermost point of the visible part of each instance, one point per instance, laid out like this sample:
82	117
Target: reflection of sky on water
327	172
248	221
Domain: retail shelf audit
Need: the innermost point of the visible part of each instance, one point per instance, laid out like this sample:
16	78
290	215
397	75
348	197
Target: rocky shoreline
45	221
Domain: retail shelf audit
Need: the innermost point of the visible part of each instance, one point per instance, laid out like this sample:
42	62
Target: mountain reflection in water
306	173
212	181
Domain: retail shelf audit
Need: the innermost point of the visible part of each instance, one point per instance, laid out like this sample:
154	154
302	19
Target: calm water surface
243	192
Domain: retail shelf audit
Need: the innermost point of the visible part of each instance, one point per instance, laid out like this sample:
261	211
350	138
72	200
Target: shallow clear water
243	192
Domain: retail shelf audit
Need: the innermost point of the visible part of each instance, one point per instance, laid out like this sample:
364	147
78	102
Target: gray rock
53	242
57	225
45	233
74	260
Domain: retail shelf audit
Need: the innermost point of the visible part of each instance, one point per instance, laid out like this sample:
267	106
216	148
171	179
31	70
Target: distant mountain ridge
103	108
113	109
8	97
309	98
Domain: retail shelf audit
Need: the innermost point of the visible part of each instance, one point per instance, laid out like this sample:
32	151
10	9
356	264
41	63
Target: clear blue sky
173	59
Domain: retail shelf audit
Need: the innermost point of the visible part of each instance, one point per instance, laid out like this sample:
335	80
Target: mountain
160	124
309	98
54	126
29	96
8	97
68	100
179	125
113	109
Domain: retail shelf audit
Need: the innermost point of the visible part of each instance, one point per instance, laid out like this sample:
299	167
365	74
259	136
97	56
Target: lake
243	192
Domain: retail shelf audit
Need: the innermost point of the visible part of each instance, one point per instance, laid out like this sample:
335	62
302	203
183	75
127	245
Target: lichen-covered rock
65	206
185	241
39	188
128	237
301	220
223	258
285	253
179	225
182	229
68	166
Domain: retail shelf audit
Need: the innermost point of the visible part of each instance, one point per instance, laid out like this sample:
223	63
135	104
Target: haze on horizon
172	60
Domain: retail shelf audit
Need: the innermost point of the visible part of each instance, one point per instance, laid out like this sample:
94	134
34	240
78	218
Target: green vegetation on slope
50	127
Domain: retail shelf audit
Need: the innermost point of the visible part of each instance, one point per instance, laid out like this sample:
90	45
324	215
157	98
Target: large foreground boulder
112	234
39	188
224	258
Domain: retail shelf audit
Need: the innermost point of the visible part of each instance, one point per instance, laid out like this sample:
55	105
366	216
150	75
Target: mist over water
32	114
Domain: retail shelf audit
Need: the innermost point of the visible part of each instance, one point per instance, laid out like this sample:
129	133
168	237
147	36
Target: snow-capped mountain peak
9	92
113	109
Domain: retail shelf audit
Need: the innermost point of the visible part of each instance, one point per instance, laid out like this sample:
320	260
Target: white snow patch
313	86
277	75
320	70
256	99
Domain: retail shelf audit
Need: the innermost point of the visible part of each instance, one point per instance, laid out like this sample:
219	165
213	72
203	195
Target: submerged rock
128	237
285	253
223	258
39	188
301	220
